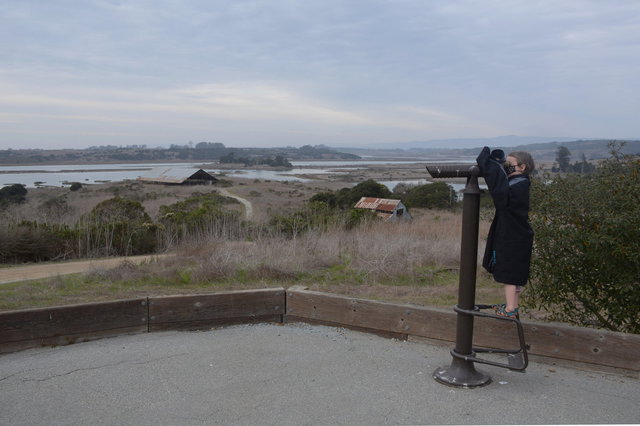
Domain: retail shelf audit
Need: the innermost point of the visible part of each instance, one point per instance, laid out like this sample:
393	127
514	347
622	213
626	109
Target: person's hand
498	155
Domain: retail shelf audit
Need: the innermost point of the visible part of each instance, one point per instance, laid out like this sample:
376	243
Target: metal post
462	372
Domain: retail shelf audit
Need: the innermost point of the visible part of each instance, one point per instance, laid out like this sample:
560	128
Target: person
507	254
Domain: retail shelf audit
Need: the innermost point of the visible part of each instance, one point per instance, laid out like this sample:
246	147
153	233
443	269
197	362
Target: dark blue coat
509	243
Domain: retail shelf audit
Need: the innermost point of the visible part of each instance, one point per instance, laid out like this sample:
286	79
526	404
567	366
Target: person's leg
512	297
519	289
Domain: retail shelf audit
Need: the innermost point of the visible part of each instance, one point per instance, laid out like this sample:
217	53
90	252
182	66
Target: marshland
285	241
243	232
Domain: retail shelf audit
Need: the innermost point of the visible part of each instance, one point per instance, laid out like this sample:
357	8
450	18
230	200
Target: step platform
516	359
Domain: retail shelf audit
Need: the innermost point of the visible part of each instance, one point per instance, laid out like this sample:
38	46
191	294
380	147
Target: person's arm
491	167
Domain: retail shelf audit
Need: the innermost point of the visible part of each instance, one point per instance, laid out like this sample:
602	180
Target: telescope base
462	374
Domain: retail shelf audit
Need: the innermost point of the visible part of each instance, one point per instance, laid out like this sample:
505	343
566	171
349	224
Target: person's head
522	161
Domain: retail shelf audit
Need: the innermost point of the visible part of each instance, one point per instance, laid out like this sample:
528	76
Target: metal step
517	359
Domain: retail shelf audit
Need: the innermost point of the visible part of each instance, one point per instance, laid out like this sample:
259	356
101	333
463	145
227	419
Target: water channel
60	175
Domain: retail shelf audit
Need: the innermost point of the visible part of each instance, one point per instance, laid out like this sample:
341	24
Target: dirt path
39	271
248	207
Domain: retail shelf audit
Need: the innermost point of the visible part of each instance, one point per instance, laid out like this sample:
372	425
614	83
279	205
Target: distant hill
201	152
461	143
592	149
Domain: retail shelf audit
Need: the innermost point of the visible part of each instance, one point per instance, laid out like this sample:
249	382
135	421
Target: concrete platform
292	374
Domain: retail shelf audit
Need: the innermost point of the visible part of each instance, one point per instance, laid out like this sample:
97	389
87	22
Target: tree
346	198
279	161
368	188
563	158
437	195
199	216
214	146
32	242
15	193
328	198
403	188
314	215
583	166
117	227
118	210
586	260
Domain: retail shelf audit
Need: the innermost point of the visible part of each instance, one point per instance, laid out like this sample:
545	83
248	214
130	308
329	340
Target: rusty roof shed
386	208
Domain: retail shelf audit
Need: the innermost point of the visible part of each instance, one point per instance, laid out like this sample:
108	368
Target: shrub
328	198
117	227
33	242
116	210
346	198
436	195
368	188
586	262
53	209
15	193
199	216
312	216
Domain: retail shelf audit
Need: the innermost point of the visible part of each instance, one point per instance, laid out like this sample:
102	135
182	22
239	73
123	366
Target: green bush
328	198
314	215
357	216
200	215
15	193
346	198
586	260
318	215
436	195
32	242
368	188
117	226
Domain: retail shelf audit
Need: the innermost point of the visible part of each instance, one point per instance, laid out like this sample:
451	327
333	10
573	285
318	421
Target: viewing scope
453	170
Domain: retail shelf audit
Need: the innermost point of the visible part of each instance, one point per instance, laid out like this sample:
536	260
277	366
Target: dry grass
378	251
409	262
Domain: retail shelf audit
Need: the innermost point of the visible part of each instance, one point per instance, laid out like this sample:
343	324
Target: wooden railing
70	324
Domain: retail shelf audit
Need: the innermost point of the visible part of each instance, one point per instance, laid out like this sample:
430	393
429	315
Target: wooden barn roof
175	175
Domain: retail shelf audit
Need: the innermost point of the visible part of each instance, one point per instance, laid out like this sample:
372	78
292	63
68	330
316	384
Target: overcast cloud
296	72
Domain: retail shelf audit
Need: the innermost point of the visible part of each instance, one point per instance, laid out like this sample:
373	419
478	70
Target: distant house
177	176
385	208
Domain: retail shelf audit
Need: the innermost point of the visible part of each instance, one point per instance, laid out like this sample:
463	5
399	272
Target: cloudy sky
294	72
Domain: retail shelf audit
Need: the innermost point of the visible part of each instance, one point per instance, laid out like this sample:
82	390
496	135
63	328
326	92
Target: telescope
462	372
453	170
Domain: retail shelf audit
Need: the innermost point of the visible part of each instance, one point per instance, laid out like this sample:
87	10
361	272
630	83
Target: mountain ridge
592	149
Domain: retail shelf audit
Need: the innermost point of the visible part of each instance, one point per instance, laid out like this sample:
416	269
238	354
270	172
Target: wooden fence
549	340
69	324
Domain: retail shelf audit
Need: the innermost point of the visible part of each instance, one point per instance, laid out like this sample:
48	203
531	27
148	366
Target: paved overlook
294	374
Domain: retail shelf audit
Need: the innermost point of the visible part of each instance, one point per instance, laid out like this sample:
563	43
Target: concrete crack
10	375
159	359
72	372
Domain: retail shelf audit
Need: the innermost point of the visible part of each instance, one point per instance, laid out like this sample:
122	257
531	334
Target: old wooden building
178	176
386	208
